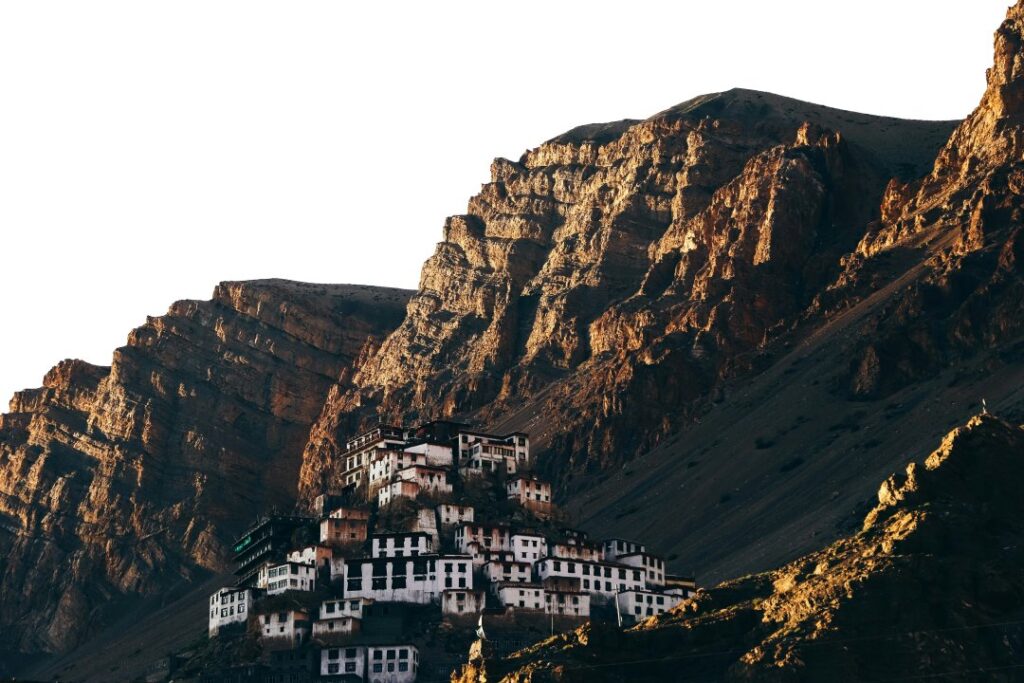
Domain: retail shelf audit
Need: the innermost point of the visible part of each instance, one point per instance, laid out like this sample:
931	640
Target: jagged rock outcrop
962	223
929	586
627	259
126	480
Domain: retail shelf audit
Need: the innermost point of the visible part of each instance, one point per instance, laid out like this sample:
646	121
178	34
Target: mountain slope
929	586
123	481
626	259
921	322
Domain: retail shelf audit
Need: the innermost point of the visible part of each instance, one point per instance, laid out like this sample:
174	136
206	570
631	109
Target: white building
480	453
407	579
426	522
404	544
370	663
531	493
508	572
287	628
636	605
615	548
436	454
289	576
577	550
449	515
229	606
411	481
653	565
455	572
521	595
318	556
386	464
488	537
343	661
481	556
683	586
528	547
325	629
601	579
430	479
361	450
567	603
392	663
344	607
457	602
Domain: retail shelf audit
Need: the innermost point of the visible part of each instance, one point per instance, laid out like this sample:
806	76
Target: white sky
149	150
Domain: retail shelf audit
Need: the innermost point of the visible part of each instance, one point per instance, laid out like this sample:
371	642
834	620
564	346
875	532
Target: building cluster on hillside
320	583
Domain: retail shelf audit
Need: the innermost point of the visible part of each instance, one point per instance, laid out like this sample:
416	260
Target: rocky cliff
127	480
928	587
624	260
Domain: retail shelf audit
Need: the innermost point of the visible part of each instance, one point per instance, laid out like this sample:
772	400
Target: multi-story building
266	540
601	579
508	572
229	606
392	663
285	628
567	603
385	464
636	605
402	544
479	453
360	450
343	663
614	548
370	663
412	481
337	531
521	595
318	556
527	547
653	565
459	602
287	576
344	607
335	628
448	514
407	579
574	549
455	572
489	537
532	493
683	586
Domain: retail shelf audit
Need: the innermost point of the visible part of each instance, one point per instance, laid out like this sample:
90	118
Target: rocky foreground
929	587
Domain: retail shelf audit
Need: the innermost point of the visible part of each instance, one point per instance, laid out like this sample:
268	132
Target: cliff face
628	259
126	480
964	221
930	585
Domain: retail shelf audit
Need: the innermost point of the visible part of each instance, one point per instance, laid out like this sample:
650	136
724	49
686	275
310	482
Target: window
403	666
350	667
330	607
377	667
332	668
